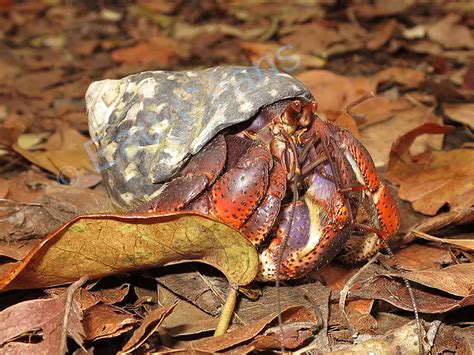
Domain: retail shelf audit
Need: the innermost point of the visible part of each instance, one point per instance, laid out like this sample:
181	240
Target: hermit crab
246	146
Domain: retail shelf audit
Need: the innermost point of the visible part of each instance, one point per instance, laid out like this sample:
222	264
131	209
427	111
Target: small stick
227	312
346	289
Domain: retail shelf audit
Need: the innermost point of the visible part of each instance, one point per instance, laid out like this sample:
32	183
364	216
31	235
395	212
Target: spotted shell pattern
145	126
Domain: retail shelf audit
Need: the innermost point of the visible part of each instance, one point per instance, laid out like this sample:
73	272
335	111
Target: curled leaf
105	244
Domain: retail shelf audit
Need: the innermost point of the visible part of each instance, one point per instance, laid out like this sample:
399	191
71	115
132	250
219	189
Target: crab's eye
296	105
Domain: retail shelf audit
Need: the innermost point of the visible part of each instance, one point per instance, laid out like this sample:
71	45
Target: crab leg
201	172
257	227
367	189
318	230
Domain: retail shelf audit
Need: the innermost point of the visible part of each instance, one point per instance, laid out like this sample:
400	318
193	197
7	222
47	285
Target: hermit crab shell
147	125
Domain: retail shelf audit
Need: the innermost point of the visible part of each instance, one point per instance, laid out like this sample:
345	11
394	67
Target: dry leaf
422	256
394	291
247	332
334	92
464	244
59	204
149	325
106	321
161	51
54	318
449	34
295	333
379	137
463	113
16	250
380	8
100	245
321	38
109	296
186	319
63	154
448	177
378	109
284	58
455	279
382	34
397	75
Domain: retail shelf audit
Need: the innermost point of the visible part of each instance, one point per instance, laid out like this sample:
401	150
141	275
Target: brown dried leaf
16	250
100	245
463	113
382	34
378	109
3	187
109	296
59	204
150	323
161	51
321	38
448	177
398	75
56	318
274	55
335	276
106	321
449	34
380	8
422	256
63	154
28	186
295	333
464	244
297	314
334	92
394	291
186	319
456	279
401	122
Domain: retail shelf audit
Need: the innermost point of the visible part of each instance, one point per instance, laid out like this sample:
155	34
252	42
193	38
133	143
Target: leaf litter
410	60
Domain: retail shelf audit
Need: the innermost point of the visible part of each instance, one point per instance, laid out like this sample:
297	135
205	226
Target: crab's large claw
315	231
367	190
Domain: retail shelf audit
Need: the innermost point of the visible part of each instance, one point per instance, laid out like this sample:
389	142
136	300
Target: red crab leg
373	195
318	230
238	192
378	200
257	227
201	172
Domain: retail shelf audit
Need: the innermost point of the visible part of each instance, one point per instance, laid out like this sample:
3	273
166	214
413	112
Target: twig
346	289
67	311
227	312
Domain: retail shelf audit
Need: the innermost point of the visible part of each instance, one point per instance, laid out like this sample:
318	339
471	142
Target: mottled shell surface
145	126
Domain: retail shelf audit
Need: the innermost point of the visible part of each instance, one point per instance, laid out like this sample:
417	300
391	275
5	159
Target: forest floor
398	74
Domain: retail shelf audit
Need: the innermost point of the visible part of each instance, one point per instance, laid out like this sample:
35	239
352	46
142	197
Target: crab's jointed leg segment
257	227
201	172
317	231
